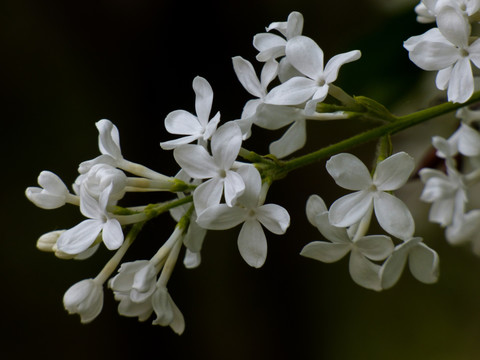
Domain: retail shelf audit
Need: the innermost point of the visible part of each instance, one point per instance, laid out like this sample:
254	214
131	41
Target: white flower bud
100	176
47	241
52	194
84	298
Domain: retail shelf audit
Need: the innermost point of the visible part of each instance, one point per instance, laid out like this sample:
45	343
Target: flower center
464	53
222	173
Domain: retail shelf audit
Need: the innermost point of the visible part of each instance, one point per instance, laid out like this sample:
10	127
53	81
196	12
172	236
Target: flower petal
247	76
306	56
80	237
393	215
335	234
252	243
274	217
461	87
350	208
294	91
375	247
221	217
393	267
195	161
112	234
393	172
207	194
336	62
226	143
349	172
315	206
181	122
364	272
203	99
233	187
423	263
325	252
292	140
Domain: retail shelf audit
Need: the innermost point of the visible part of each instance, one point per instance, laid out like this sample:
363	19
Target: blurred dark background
67	64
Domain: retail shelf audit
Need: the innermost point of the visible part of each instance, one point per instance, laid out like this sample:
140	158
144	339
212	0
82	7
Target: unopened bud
48	241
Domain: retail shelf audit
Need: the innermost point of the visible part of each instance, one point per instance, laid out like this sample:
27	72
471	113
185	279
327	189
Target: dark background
66	64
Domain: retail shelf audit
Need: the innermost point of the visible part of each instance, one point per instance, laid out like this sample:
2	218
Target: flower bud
47	242
84	298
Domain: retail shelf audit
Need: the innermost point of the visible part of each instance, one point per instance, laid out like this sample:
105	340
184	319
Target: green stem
401	123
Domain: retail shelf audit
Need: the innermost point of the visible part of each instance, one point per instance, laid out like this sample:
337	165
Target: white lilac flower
134	286
99	177
422	260
307	57
390	174
199	127
429	10
84	298
83	235
467	138
446	192
449	51
168	313
363	250
249	210
52	194
271	46
199	164
258	88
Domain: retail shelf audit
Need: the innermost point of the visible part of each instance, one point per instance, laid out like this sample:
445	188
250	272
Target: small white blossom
199	164
307	57
199	127
168	313
390	174
82	236
84	298
250	211
271	46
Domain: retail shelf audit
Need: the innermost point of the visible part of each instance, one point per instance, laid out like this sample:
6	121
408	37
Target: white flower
99	177
198	127
85	298
197	163
52	194
446	192
271	46
134	286
390	174
82	236
258	88
466	139
423	263
168	314
374	247
307	57
250	211
450	55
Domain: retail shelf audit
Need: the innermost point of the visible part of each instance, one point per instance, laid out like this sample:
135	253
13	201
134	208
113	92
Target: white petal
375	247
325	252
196	161
434	55
181	122
393	216
295	91
273	117
443	77
211	127
333	233
469	144
460	87
112	234
423	263
454	26
293	139
203	99
269	72
221	217
319	95
392	268
247	76
252	243
306	56
52	183
364	272
233	187
226	143
43	199
253	185
274	217
172	144
315	206
349	172
191	259
294	24
350	208
162	305
207	194
334	64
108	139
393	172
80	237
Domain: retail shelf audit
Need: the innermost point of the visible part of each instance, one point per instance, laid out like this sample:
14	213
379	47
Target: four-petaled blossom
84	298
307	57
271	46
82	236
423	263
250	211
199	164
390	174
134	286
198	127
362	250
